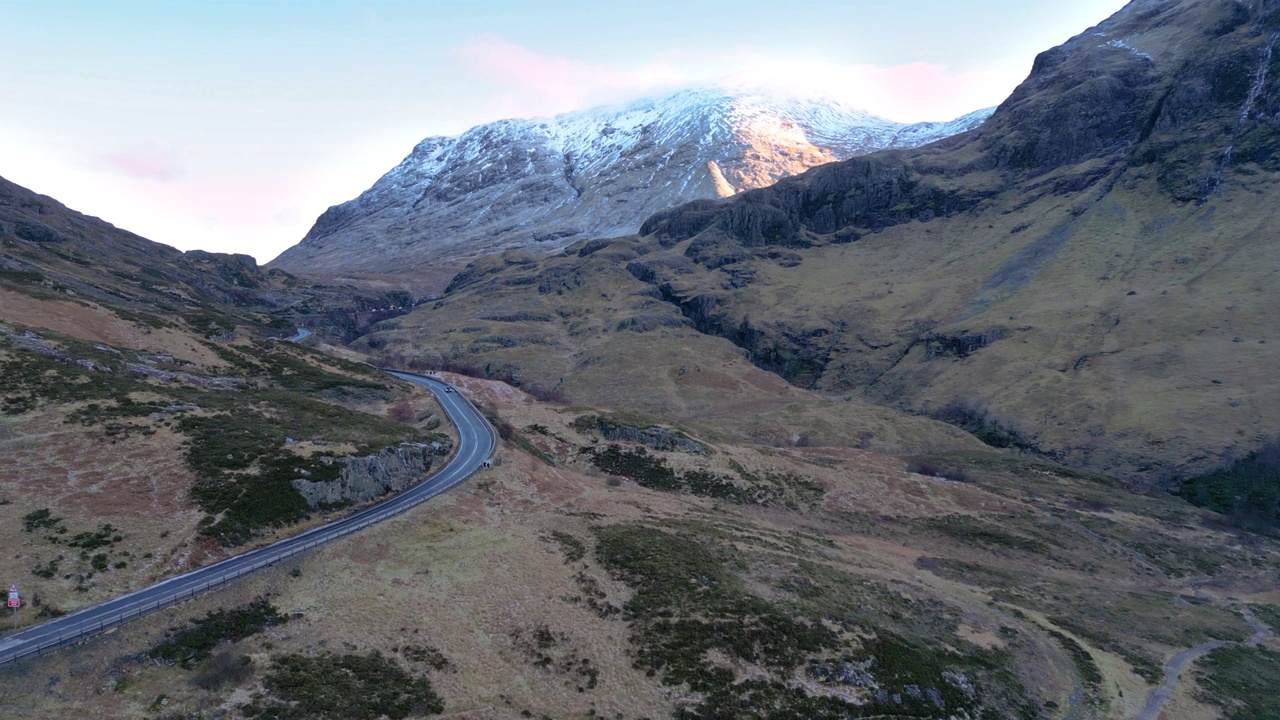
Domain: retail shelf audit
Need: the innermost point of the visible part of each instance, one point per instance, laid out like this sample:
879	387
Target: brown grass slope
1085	275
123	364
585	330
50	251
1051	595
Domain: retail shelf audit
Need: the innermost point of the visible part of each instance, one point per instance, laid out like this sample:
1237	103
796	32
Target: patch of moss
342	687
188	646
1247	492
1242	681
691	603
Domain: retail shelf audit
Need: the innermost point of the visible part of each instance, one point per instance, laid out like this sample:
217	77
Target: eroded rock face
544	184
368	478
1185	90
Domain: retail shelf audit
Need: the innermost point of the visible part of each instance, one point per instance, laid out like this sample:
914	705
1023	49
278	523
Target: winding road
476	443
1173	669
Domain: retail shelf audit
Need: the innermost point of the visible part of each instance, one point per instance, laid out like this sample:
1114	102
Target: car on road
448	389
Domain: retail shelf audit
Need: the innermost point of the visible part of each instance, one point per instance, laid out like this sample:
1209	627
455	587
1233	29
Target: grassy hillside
573	581
584	330
147	423
1085	277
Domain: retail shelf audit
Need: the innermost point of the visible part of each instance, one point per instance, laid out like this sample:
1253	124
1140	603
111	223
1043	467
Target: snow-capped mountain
547	183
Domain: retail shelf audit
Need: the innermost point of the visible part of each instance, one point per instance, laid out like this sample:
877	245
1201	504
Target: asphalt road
1173	668
477	442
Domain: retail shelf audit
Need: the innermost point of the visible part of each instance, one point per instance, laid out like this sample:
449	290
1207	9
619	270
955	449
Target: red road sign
14	602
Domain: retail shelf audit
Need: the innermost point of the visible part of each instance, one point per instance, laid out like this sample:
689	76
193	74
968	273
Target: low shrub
571	546
40	519
188	646
222	670
924	467
342	687
979	421
972	531
691	604
1241	681
1245	491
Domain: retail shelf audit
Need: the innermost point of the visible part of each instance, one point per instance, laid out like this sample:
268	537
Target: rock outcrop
368	478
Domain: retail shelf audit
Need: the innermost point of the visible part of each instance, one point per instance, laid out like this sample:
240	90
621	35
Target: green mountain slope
1086	275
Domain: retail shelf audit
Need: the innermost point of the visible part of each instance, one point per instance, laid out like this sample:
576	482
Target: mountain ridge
1072	277
545	183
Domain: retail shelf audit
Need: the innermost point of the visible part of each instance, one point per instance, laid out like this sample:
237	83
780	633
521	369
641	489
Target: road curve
1262	633
476	443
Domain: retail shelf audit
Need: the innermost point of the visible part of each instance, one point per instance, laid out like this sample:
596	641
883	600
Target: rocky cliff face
1181	91
368	478
544	184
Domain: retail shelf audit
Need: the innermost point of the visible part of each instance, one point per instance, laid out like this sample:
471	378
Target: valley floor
588	577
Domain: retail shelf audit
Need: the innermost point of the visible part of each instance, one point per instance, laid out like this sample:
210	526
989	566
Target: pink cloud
531	83
907	93
145	163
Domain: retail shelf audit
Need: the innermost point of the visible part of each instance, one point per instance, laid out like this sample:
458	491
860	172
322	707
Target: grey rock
370	477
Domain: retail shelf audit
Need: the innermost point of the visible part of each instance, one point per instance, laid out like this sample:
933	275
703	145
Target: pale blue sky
231	125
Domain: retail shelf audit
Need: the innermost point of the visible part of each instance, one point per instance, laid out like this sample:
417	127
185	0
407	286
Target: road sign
14	601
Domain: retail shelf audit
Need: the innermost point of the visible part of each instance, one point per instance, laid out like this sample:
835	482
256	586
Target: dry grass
1144	343
94	323
670	374
474	572
137	481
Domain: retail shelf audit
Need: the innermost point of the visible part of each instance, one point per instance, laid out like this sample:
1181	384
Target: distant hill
49	250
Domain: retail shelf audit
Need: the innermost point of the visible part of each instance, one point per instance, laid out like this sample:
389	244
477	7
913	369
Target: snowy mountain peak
549	182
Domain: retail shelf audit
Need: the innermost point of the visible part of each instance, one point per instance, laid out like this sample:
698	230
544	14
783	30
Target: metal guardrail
323	534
